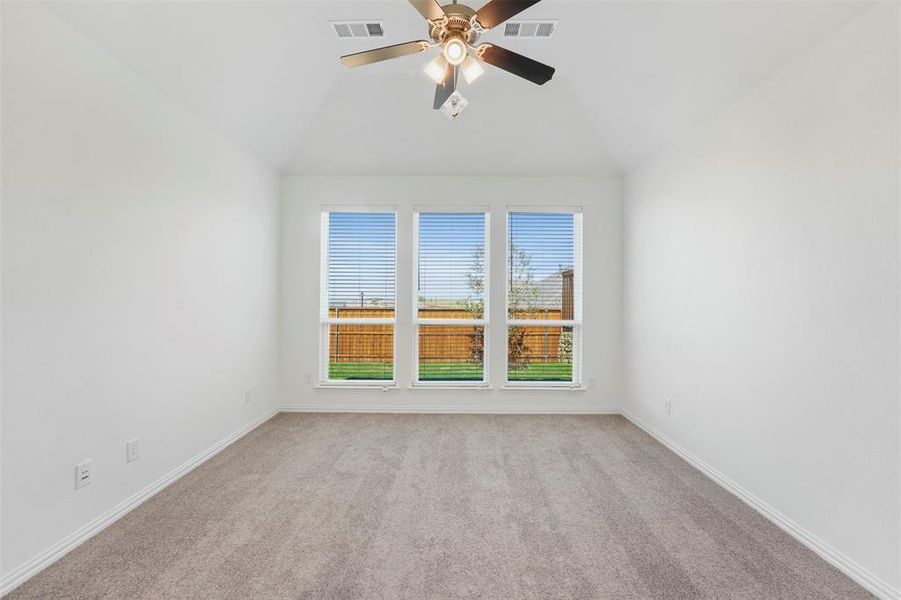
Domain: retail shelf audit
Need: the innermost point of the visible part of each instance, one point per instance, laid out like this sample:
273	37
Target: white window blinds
451	267
361	260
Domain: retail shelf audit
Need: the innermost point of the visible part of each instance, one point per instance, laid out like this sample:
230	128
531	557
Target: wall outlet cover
668	406
248	395
132	450
84	474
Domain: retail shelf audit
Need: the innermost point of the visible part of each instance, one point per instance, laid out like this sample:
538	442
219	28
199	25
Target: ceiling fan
456	29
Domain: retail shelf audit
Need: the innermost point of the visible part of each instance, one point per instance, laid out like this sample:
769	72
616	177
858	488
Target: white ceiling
632	76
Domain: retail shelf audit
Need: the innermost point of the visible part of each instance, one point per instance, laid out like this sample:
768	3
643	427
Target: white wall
302	200
139	282
761	285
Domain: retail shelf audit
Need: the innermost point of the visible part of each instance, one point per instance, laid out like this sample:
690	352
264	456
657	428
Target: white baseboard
867	580
58	550
524	408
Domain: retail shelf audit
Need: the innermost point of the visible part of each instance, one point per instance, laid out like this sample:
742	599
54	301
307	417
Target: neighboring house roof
550	291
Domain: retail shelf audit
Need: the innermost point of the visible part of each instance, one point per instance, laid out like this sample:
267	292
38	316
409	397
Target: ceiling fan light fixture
471	68
454	105
437	68
455	50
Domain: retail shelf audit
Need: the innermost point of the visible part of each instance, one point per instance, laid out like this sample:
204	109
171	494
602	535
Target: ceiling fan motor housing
458	22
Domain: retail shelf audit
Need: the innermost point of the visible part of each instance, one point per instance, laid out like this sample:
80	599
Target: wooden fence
438	343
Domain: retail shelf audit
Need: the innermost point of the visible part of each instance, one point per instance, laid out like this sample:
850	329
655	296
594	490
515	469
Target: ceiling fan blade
517	64
429	9
497	11
372	56
444	89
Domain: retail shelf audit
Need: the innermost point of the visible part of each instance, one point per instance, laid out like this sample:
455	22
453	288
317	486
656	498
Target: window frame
575	323
483	322
325	321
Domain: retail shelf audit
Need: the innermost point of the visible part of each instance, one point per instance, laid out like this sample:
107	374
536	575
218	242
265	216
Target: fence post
545	338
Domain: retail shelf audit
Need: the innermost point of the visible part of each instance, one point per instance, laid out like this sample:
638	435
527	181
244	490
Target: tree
523	290
523	298
475	303
475	280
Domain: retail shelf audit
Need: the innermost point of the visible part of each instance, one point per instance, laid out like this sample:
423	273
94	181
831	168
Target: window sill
543	387
449	386
352	385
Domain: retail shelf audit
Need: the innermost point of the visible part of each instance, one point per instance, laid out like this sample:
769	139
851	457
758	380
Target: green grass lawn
374	371
550	371
450	371
360	370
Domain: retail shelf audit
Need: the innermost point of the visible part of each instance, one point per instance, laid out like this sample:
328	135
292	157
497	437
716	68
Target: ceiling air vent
358	29
530	29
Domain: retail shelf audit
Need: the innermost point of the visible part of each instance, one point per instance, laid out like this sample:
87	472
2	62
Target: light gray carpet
442	506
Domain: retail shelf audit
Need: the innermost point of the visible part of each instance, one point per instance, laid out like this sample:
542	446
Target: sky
362	253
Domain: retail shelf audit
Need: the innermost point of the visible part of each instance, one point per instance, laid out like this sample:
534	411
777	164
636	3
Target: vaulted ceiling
632	77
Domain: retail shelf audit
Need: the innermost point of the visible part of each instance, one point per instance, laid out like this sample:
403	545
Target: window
358	284
451	297
544	303
449	289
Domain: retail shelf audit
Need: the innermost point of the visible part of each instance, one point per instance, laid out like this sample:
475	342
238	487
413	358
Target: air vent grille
358	29
530	29
343	30
545	30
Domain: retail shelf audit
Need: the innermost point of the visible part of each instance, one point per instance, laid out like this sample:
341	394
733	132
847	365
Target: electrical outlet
247	395
668	406
84	474
132	450
308	378
592	383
